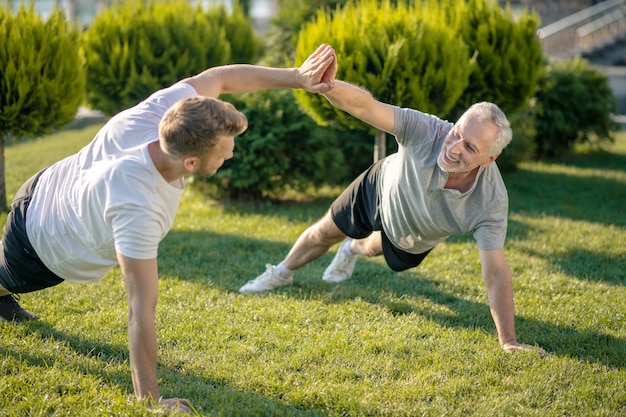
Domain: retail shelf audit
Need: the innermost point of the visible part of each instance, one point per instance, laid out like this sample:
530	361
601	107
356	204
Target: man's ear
489	161
191	163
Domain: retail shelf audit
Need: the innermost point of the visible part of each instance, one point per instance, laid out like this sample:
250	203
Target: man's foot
10	310
340	269
267	281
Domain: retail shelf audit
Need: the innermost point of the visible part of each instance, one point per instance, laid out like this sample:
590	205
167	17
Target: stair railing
584	31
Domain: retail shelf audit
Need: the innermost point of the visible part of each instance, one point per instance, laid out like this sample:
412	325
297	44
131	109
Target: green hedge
137	47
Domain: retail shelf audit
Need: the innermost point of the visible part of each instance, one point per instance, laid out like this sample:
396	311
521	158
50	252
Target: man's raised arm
311	76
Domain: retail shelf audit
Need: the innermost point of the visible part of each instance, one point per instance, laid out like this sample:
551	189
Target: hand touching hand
317	73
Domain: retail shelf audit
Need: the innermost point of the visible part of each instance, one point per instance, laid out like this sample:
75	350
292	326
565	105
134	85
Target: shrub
283	149
398	52
245	47
574	104
508	53
137	47
401	53
42	81
292	15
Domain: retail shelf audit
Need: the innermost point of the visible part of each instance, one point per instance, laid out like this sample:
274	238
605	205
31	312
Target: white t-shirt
417	212
108	198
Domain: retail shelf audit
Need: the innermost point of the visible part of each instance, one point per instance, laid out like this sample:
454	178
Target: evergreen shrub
136	47
573	104
507	51
42	76
397	52
282	35
245	47
403	54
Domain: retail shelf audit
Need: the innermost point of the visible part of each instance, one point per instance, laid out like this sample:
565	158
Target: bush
574	104
508	54
137	47
283	149
244	45
400	53
282	36
42	78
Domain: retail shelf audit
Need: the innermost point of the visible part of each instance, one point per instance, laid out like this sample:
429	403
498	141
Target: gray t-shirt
417	212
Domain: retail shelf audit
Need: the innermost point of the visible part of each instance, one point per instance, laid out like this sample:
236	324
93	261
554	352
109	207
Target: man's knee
325	231
370	246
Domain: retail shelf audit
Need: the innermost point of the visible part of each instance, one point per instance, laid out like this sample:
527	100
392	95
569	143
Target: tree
403	54
42	77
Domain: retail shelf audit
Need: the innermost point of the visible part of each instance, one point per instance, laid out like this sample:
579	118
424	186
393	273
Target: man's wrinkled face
468	145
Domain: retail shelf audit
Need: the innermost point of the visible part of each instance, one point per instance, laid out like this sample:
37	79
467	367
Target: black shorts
21	270
356	213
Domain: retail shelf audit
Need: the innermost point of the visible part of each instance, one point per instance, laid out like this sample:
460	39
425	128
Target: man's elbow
496	276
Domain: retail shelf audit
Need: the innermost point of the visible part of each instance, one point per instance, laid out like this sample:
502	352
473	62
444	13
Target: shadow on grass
588	346
592	199
229	261
208	396
587	265
580	263
595	198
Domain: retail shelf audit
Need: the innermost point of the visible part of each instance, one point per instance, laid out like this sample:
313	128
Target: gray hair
486	111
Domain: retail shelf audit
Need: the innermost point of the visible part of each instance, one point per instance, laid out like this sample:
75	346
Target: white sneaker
267	281
340	269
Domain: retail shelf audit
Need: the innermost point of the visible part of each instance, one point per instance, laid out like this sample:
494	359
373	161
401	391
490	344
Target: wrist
297	77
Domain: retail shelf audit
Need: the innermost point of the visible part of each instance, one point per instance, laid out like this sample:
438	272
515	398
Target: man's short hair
486	111
192	126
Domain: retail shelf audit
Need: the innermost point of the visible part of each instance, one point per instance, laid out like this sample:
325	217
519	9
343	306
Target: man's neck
461	181
164	163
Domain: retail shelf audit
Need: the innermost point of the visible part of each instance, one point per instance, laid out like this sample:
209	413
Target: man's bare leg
313	243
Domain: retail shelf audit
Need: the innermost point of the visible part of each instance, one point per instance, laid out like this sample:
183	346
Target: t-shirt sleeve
490	233
415	128
137	227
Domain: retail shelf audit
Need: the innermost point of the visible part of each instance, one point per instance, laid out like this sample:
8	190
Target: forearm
242	78
359	103
500	293
348	97
316	73
143	354
141	281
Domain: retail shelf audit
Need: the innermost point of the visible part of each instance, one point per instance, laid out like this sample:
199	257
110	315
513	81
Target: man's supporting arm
499	282
141	281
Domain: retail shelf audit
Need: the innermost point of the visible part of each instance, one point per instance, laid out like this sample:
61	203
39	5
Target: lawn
416	343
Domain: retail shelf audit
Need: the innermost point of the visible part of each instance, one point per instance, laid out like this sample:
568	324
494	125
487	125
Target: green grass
420	342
